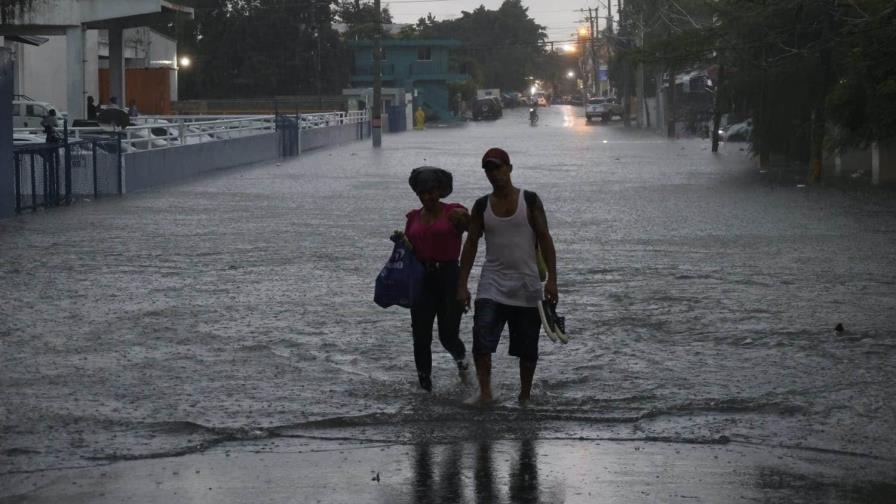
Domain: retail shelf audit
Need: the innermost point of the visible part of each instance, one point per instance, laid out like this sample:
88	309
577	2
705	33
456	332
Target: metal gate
53	174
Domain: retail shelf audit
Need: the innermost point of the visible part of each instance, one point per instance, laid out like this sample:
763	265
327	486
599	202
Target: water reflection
423	476
450	483
485	491
524	477
517	482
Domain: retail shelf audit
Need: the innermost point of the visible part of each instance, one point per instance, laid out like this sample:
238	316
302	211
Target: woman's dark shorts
523	321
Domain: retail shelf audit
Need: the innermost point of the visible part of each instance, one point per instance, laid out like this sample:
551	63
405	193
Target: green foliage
506	45
256	48
863	102
789	61
466	89
360	18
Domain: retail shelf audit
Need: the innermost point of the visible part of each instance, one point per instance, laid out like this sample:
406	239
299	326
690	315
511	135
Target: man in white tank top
513	221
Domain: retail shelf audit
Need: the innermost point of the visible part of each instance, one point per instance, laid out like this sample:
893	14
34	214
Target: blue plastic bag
400	282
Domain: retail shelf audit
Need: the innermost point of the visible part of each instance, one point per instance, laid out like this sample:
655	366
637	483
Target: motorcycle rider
533	115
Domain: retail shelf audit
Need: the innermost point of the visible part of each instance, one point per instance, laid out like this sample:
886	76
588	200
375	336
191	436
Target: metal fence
53	174
303	132
160	132
91	162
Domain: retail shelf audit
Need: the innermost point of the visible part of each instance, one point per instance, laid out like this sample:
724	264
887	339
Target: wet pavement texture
237	308
484	472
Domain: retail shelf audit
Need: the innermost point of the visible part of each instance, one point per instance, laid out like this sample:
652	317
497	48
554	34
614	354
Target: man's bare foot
479	400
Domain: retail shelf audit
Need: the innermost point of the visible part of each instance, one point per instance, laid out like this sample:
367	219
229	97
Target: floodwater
701	299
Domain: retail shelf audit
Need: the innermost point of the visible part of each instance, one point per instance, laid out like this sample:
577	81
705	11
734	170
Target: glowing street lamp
185	61
570	74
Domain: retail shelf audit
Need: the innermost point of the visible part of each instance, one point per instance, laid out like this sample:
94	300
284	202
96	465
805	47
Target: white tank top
510	272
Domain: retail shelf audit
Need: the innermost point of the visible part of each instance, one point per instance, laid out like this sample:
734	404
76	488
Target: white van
28	113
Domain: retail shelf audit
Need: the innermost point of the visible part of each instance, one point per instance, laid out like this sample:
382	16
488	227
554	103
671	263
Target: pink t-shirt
438	241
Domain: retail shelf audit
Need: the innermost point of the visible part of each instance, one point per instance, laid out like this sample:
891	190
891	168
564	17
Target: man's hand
460	218
463	296
550	291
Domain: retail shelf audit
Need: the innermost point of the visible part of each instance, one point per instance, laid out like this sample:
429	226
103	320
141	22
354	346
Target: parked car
28	113
576	100
487	108
511	100
603	107
27	138
737	132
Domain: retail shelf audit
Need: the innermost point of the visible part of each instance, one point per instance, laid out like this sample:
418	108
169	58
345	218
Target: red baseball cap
495	155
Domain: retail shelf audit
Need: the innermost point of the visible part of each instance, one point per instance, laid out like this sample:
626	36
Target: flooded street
700	296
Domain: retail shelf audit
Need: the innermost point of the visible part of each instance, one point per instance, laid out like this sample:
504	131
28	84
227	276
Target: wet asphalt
701	294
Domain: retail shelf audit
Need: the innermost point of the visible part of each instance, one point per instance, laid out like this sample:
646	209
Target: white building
81	37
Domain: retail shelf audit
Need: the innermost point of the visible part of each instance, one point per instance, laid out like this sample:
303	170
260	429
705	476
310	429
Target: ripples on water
701	301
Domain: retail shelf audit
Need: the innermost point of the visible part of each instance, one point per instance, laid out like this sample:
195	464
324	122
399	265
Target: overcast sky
561	17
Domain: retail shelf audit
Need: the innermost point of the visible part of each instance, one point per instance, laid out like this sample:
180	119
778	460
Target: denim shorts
523	321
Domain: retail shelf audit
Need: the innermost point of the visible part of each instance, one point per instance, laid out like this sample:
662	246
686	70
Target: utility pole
595	65
376	119
625	45
610	14
320	104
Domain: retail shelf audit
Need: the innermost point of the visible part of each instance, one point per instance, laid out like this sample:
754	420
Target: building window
424	54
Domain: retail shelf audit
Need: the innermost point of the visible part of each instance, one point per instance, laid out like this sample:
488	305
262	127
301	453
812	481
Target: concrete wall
153	168
73	12
883	162
333	135
41	72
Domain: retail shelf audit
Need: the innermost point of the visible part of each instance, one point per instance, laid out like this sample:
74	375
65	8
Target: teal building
421	67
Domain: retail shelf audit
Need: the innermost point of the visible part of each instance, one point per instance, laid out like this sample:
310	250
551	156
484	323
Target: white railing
159	132
326	119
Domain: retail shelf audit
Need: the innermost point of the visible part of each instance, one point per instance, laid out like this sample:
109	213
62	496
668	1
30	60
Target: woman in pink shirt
435	232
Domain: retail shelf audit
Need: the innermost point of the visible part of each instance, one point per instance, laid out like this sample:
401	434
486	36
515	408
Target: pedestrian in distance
435	231
419	119
91	109
132	109
513	222
50	124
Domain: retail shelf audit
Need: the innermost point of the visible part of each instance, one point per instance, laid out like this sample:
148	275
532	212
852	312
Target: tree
360	18
254	48
800	68
506	44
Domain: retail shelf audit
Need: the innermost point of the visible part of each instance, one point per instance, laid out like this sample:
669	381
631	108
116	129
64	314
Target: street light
571	74
185	61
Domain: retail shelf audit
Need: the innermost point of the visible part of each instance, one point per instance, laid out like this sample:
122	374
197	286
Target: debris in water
839	328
